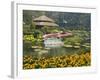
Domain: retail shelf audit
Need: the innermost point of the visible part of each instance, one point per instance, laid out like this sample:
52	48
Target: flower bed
75	60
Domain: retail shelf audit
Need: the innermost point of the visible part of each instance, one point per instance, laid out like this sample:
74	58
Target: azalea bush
28	38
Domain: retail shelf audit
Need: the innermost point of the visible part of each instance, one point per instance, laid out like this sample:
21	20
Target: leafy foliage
68	20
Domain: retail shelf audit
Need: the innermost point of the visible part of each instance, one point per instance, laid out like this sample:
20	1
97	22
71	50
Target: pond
58	51
55	47
66	51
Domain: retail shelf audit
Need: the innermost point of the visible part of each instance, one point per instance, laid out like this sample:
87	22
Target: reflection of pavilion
53	42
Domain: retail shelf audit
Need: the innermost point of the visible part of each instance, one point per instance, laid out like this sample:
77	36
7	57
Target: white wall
5	37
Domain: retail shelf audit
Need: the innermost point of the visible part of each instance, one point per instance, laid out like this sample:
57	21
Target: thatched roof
45	24
43	18
44	21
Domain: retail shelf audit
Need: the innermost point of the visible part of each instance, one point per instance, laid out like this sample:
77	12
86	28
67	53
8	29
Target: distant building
44	21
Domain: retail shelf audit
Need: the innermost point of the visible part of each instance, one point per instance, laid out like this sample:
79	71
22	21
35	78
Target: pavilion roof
44	21
43	18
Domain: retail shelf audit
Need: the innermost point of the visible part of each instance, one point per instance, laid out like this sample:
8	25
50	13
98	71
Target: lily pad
76	46
68	46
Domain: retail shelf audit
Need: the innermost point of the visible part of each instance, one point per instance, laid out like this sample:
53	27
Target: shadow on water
66	51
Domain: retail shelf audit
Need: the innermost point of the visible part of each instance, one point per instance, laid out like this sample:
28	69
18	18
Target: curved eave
57	35
45	24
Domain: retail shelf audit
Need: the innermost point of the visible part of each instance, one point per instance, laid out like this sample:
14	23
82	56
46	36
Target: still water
55	47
